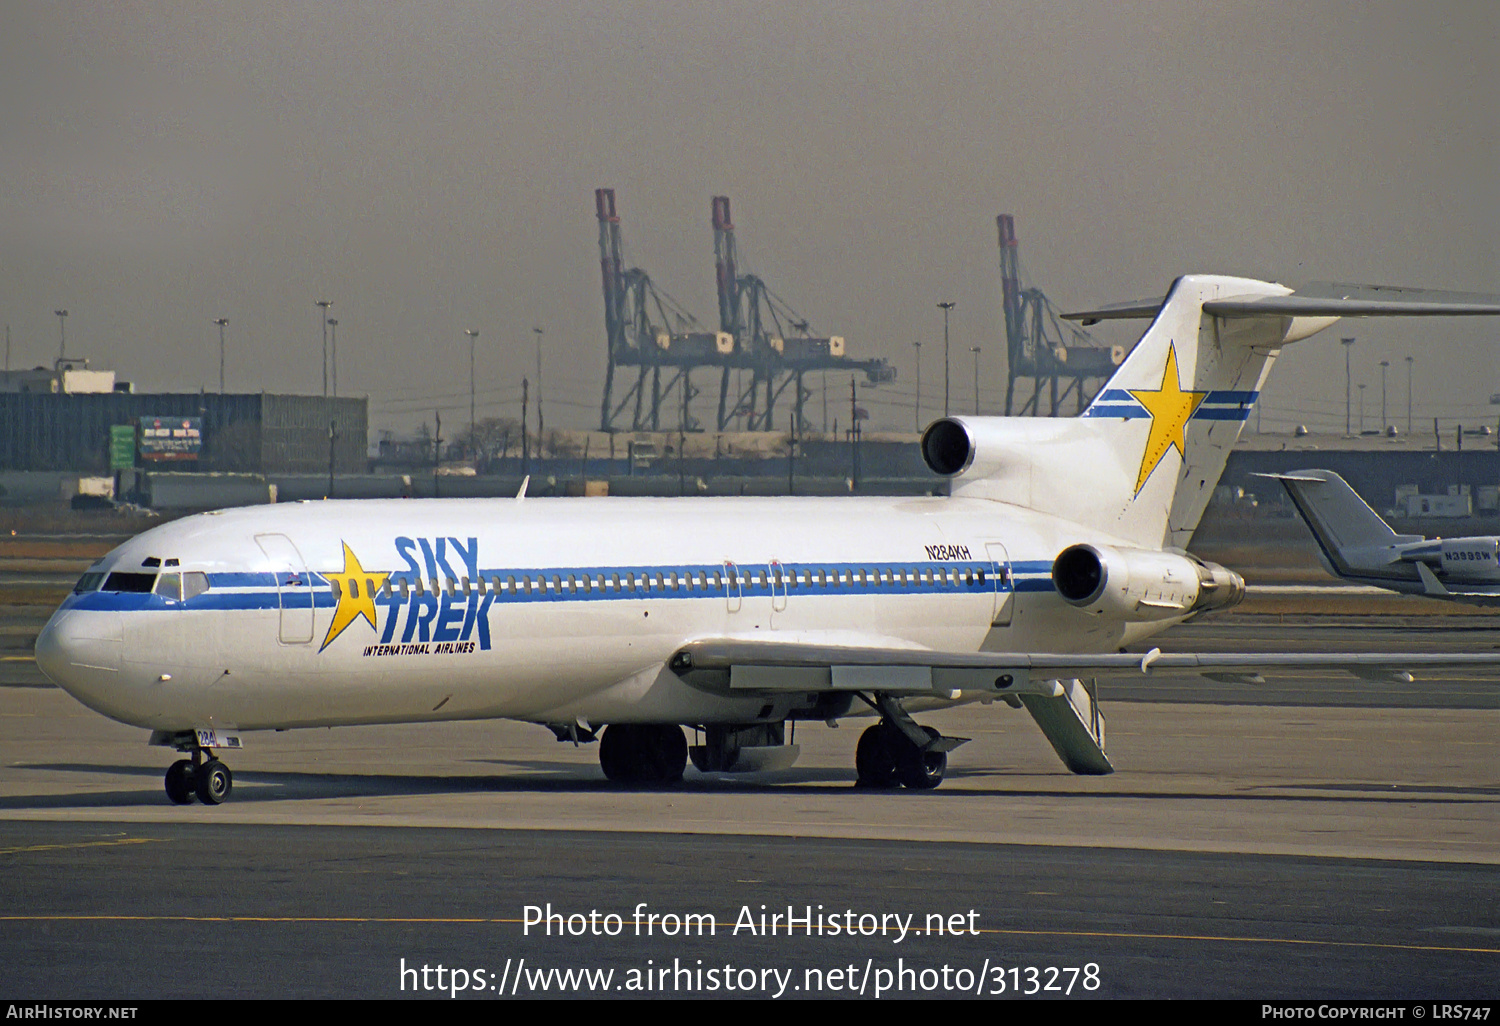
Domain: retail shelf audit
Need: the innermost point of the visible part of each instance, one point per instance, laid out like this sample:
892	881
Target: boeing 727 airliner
1059	545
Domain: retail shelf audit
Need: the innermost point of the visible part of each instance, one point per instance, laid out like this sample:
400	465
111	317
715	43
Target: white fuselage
547	610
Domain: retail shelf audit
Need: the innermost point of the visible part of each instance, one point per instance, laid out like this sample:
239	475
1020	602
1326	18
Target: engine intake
1136	584
947	447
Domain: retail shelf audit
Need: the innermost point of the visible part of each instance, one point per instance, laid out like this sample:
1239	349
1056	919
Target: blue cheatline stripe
1219	404
566	584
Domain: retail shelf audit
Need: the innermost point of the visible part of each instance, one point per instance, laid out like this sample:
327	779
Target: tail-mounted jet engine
1137	584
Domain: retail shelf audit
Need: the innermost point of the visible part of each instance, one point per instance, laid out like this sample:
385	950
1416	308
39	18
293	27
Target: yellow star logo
355	588
1170	408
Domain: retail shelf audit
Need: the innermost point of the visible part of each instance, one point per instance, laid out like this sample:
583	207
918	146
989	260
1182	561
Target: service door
1005	584
294	587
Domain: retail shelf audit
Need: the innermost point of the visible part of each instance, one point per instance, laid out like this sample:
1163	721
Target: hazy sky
430	168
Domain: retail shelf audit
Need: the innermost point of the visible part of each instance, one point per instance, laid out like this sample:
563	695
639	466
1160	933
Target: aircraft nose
80	653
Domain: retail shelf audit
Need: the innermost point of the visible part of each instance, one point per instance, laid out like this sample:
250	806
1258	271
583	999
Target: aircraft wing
1054	688
740	667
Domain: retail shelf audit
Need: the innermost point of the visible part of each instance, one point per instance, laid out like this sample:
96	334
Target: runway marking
17	659
80	844
462	921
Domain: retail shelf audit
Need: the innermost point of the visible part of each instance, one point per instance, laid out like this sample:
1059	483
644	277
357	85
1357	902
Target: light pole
333	341
1383	365
323	305
1361	408
945	307
975	351
221	322
1348	389
540	424
473	338
62	331
1409	361
917	407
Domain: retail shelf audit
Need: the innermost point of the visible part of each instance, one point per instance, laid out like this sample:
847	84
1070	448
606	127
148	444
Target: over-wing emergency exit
1059	546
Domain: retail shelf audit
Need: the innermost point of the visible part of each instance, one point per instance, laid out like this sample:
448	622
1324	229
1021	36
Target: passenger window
385	589
466	587
194	584
338	592
405	589
169	586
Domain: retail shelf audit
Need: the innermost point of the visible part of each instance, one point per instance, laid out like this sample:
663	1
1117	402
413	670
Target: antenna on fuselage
521	493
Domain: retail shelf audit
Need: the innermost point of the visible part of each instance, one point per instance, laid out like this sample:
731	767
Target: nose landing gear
209	781
201	776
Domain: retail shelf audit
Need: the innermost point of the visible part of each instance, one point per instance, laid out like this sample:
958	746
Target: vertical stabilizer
1142	461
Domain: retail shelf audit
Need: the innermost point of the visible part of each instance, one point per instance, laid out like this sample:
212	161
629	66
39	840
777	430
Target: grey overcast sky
430	168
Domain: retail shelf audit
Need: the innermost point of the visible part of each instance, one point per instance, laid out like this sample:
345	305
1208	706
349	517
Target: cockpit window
139	584
88	582
169	586
194	583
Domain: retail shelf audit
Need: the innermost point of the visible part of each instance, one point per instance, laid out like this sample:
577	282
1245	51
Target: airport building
50	429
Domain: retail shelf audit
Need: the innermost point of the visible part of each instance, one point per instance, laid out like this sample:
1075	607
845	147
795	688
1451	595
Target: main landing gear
898	751
207	780
653	754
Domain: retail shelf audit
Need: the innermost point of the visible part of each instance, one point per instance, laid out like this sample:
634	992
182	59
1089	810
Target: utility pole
525	440
62	330
975	351
1348	389
917	406
332	437
437	451
945	307
221	322
1383	365
333	342
323	305
1409	361
541	426
473	338
853	434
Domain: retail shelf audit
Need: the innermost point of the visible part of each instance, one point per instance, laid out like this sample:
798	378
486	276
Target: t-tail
1351	536
1142	461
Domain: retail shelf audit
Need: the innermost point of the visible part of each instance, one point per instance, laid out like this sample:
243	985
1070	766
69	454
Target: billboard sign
171	438
121	447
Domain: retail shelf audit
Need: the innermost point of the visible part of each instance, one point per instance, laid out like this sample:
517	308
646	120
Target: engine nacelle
1140	585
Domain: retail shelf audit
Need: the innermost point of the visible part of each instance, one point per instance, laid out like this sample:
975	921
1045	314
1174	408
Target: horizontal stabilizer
1310	306
1319	299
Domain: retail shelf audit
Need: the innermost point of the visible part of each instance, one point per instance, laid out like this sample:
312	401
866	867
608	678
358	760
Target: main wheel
180	782
214	782
617	753
643	753
875	757
919	770
662	755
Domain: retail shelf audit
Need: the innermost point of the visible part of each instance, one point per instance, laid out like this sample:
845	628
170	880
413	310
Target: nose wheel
207	780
